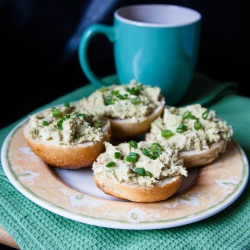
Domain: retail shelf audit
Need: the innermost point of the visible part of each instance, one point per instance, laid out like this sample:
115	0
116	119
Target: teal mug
154	44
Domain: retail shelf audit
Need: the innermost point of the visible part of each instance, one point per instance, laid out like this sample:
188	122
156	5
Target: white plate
73	194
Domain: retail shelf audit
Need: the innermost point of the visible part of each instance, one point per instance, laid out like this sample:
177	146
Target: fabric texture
33	227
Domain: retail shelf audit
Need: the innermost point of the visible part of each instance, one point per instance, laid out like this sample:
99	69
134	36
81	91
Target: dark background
39	44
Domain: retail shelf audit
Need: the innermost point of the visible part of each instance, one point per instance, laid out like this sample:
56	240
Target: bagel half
161	191
131	127
68	156
194	158
139	172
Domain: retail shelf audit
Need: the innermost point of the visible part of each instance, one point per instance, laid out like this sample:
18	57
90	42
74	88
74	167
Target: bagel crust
67	157
161	191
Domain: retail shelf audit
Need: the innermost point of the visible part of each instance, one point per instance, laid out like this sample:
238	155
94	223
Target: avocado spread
124	101
192	127
144	164
63	125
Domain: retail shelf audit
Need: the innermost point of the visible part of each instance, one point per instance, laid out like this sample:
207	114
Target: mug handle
91	31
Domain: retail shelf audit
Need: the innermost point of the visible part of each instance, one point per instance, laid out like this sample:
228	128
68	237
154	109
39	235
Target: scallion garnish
114	92
98	124
143	172
67	104
135	100
132	144
59	124
188	115
197	125
84	116
110	164
45	123
155	146
145	152
166	133
103	89
132	157
205	114
56	112
108	100
181	128
117	155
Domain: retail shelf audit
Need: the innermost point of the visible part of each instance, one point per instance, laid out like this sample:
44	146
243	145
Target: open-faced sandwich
195	131
129	107
139	172
65	138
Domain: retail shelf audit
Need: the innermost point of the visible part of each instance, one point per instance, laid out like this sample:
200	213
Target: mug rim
118	15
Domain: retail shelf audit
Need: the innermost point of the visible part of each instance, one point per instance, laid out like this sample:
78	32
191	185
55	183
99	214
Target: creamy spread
63	125
192	127
131	100
144	164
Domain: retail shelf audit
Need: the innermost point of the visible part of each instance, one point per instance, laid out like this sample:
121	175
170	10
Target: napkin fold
33	227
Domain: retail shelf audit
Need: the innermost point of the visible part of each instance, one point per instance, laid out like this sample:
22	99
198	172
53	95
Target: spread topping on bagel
192	127
123	101
63	125
144	164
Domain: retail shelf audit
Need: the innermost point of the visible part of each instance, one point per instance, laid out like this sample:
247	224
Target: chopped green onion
56	112
84	116
132	144
98	124
154	155
188	115
166	133
135	90
156	146
205	114
147	173
132	157
59	124
181	128
140	171
197	125
135	100
114	92
103	89
67	104
121	97
45	123
145	152
134	154
117	155
108	100
143	172
110	164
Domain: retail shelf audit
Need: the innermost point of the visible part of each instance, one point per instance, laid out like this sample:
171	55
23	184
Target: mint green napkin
33	227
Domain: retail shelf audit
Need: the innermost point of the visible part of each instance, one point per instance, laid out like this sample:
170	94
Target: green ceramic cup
155	44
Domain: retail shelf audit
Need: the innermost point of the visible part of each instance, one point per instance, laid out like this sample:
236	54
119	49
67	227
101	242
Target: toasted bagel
139	172
195	131
69	156
122	128
194	158
130	107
